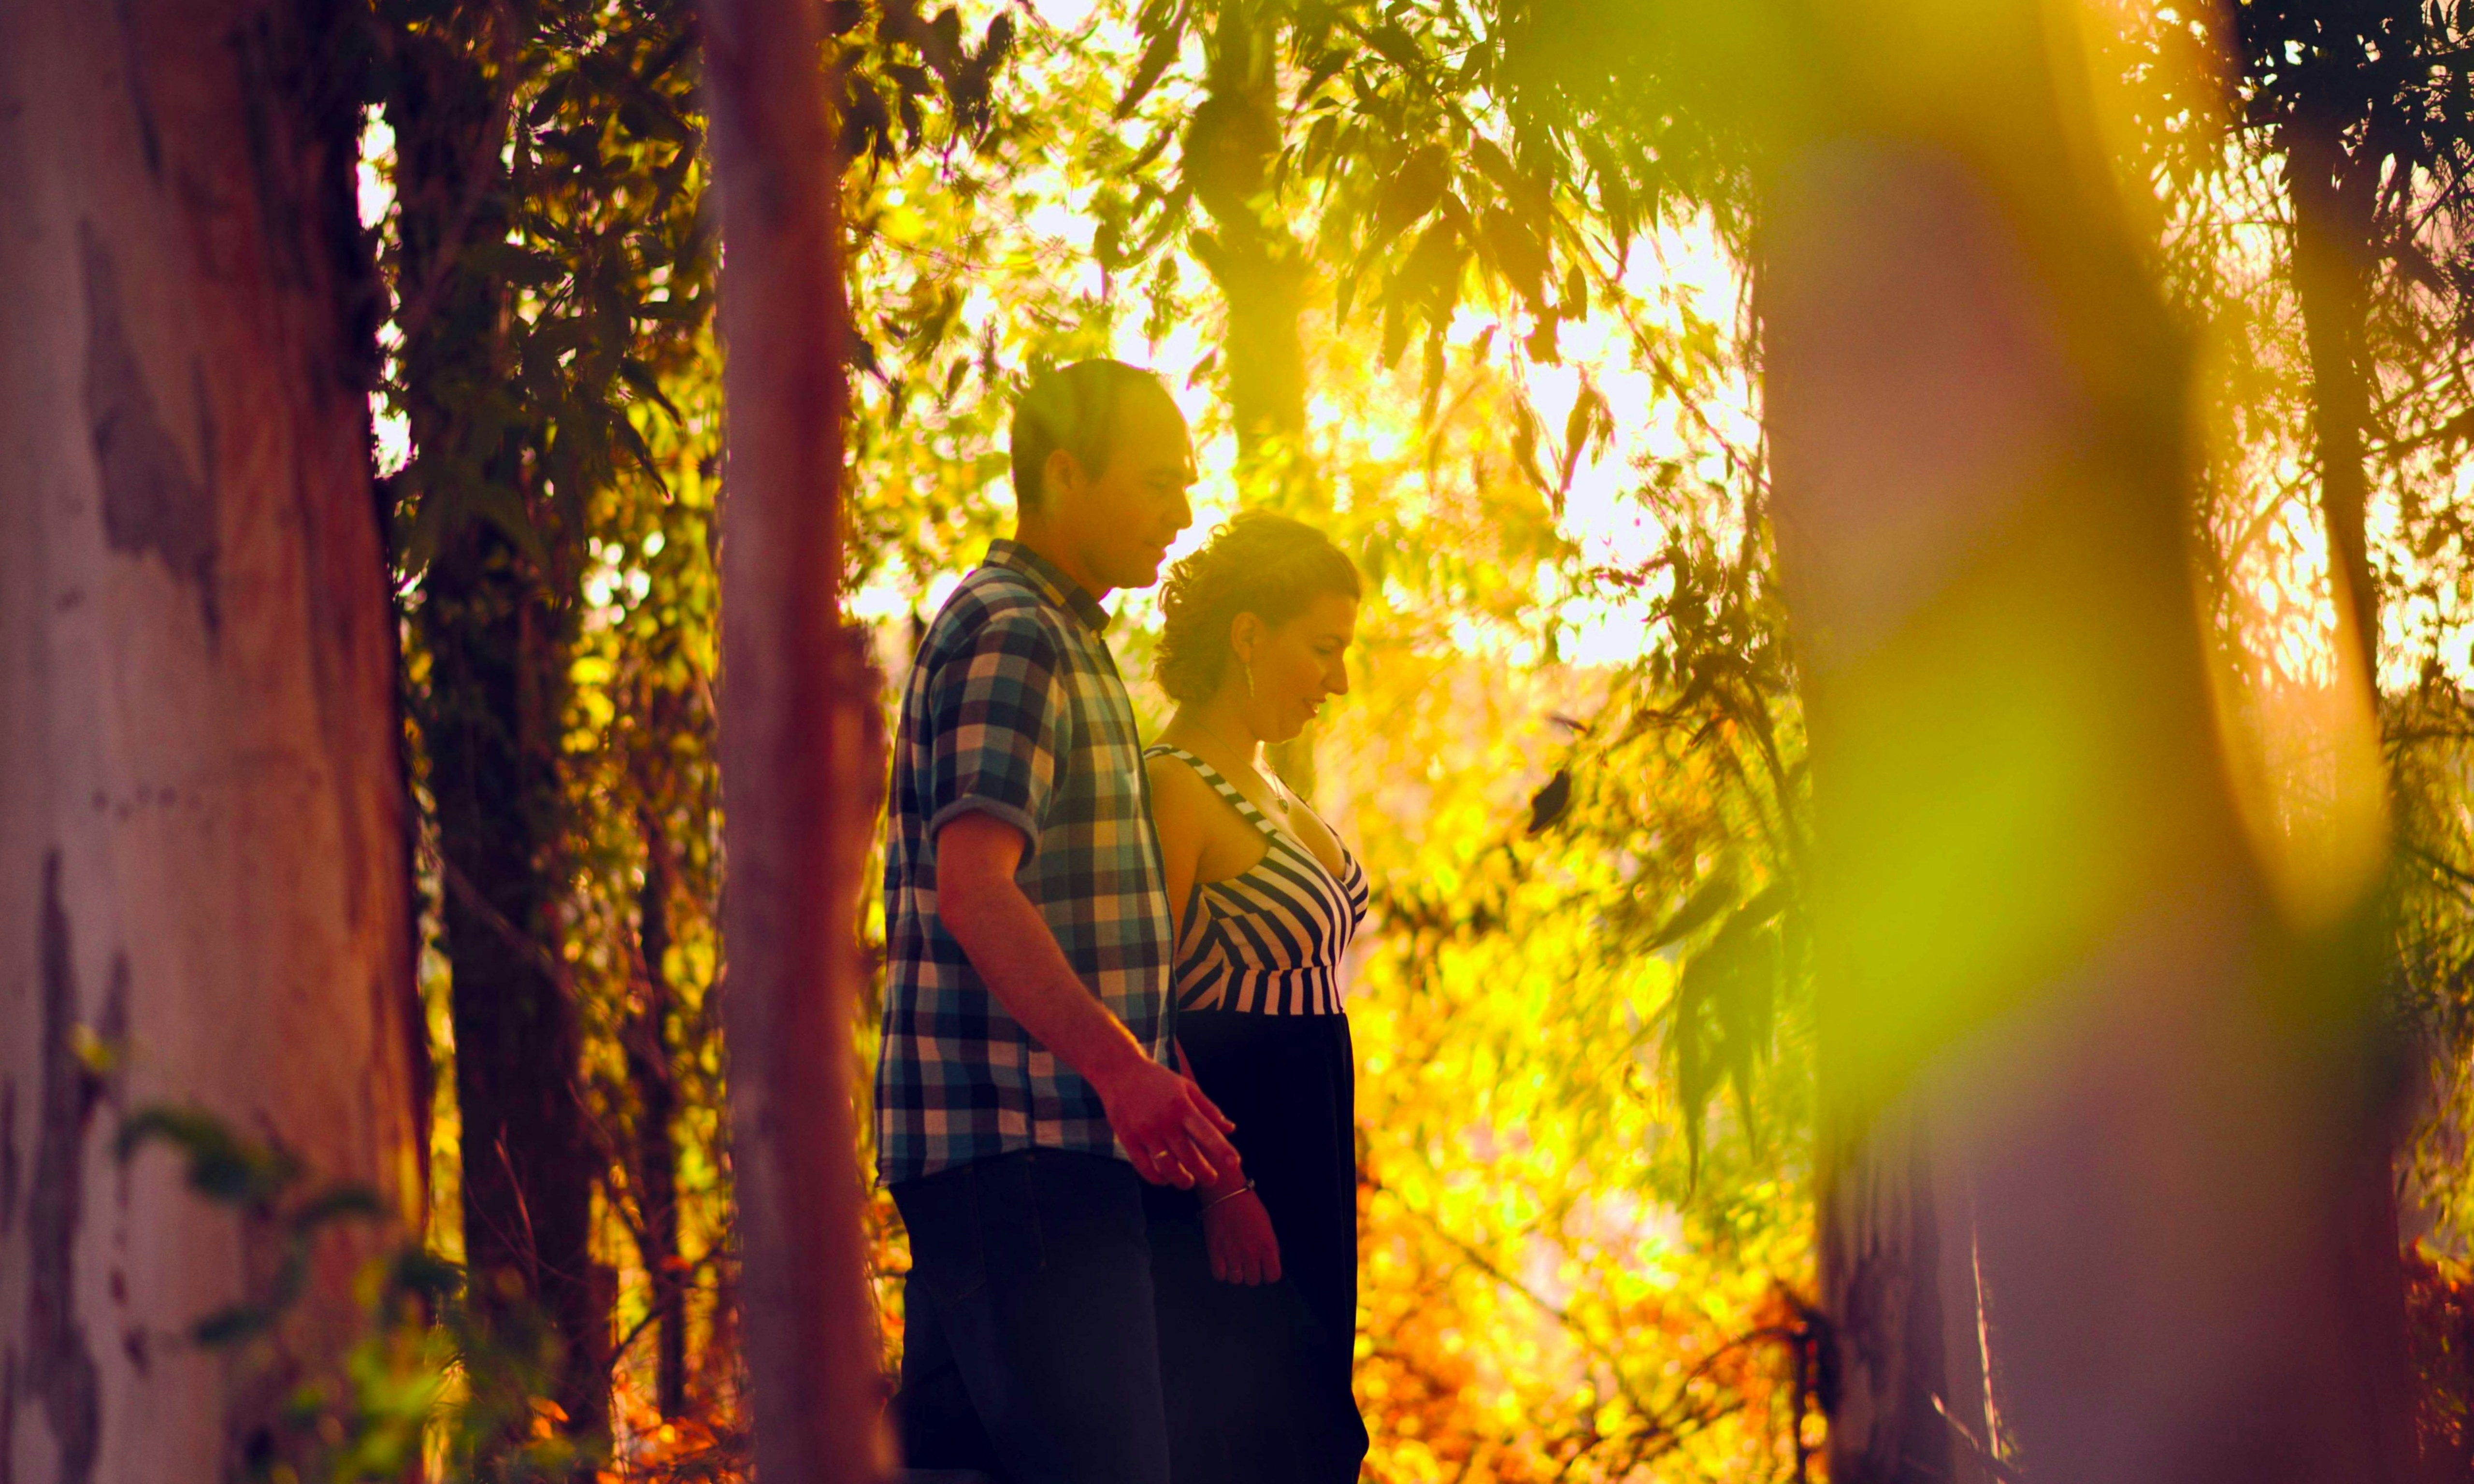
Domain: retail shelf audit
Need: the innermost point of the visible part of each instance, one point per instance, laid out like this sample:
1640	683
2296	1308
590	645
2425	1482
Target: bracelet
1228	1195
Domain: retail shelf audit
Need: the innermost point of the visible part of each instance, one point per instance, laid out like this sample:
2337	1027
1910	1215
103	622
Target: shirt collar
1058	589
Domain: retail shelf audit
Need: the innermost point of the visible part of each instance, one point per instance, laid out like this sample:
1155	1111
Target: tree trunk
801	750
203	886
496	631
1230	150
1260	267
2039	922
527	1163
657	1111
1891	1393
2331	194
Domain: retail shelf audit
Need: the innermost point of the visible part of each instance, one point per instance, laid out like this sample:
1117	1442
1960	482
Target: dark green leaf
1551	802
1518	251
639	379
334	1204
227	1326
1397	46
1157	56
1412	191
1710	898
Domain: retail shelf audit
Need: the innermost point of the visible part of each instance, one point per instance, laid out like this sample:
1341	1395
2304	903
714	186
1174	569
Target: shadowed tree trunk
2041	927
801	750
1230	151
1891	1391
657	1111
495	625
2333	194
203	889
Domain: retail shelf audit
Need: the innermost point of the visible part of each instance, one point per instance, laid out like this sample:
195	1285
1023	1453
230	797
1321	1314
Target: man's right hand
1173	1134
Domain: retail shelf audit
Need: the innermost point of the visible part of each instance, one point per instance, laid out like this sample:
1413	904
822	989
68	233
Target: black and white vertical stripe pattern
1272	937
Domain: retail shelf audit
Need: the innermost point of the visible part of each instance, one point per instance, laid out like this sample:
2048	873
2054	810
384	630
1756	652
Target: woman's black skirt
1257	1379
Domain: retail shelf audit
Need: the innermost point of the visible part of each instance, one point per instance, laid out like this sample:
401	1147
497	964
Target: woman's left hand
1238	1231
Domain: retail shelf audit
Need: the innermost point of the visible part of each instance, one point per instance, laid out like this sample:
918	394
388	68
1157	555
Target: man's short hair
1074	408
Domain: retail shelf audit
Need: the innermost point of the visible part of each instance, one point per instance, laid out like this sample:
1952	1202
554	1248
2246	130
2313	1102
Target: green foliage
1584	1014
590	421
1538	1079
419	1375
594	230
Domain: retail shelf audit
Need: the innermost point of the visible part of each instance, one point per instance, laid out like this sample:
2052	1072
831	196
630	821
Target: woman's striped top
1271	938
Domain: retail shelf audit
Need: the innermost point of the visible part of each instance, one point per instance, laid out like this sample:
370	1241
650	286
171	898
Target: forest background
1474	288
1514	369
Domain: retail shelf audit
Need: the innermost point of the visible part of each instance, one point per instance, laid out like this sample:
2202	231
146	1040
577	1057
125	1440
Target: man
1021	1092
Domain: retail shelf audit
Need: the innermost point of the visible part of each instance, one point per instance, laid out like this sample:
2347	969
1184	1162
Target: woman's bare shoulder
1177	790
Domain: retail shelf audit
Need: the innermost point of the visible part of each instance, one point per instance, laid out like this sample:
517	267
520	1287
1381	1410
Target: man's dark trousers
1031	1351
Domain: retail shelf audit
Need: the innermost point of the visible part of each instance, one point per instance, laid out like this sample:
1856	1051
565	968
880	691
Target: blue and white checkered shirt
1014	707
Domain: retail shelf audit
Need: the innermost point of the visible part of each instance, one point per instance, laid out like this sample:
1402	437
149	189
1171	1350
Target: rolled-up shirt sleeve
1000	730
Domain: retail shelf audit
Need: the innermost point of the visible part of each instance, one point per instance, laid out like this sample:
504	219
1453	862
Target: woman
1256	1274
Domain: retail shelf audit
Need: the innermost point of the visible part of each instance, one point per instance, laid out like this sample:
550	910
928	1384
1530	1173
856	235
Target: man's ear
1062	475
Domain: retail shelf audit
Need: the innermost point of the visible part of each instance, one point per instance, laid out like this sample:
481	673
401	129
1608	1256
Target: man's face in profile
1119	524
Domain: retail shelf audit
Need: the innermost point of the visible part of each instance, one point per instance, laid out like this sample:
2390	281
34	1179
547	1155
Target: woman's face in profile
1300	663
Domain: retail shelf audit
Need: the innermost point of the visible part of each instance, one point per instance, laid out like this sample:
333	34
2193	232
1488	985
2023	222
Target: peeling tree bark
203	835
801	757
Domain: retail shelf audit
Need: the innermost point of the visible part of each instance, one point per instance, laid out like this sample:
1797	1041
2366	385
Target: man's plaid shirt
1014	707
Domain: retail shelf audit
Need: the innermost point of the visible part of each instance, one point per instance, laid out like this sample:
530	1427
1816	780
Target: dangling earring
1250	681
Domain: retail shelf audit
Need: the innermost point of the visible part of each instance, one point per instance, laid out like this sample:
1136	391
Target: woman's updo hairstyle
1260	564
